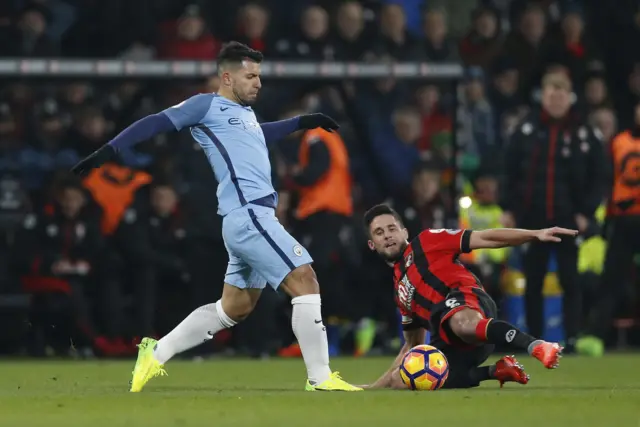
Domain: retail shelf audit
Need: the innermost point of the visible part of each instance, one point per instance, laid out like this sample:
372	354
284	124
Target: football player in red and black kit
435	292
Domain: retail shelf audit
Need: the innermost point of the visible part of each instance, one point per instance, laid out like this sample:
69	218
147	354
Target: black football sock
468	378
482	373
499	332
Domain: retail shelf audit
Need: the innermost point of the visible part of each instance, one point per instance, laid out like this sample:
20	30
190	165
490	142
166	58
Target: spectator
10	144
188	38
630	96
596	93
504	92
312	43
62	246
62	16
458	13
604	119
394	147
47	153
394	39
438	46
527	45
573	49
253	24
427	205
436	122
564	189
484	42
90	130
138	51
411	9
28	38
350	41
476	115
125	100
160	251
624	224
483	213
324	184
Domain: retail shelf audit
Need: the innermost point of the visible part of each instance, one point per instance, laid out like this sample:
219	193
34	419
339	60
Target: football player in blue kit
260	250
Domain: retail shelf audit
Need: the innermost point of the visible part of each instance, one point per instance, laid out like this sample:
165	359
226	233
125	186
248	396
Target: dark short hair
378	210
69	183
236	52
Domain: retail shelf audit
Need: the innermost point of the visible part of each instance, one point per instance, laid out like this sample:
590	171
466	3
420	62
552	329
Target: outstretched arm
391	378
274	131
185	114
503	237
143	129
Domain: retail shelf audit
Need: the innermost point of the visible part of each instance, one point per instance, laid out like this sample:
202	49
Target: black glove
317	120
94	160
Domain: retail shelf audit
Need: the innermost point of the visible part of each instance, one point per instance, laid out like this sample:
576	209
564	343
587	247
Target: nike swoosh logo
208	338
317	321
224	108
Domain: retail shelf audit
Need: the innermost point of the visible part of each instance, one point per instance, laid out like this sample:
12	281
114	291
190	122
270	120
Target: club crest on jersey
405	292
297	249
408	260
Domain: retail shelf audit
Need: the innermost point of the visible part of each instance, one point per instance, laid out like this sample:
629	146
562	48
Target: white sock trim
306	299
224	319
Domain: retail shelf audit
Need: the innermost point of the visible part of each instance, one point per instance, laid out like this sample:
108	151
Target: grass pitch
229	393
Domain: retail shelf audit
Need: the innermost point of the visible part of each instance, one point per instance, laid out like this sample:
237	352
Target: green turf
582	392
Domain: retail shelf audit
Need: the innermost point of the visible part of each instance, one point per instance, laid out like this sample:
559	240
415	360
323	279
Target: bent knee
464	323
241	312
238	305
301	281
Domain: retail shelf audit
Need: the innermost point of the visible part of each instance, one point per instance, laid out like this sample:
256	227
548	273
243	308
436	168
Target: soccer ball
424	368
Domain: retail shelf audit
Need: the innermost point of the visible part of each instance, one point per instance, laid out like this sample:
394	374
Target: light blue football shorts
260	249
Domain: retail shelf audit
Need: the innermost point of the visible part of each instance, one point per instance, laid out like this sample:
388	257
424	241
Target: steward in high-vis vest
622	234
323	180
114	188
480	213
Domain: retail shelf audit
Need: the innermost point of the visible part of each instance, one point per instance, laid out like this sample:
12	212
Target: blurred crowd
132	248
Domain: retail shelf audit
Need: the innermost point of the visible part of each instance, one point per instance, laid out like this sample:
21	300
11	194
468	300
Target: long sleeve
141	130
185	114
511	175
596	175
275	131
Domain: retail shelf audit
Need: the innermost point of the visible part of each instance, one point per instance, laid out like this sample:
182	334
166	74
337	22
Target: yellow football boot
334	383
147	366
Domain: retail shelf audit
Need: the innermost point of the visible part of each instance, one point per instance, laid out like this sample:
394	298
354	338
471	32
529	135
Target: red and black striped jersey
429	270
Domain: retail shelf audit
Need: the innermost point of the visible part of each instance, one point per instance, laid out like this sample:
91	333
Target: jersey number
440	230
451	303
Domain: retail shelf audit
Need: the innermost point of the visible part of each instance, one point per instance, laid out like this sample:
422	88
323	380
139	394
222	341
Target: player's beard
242	101
392	259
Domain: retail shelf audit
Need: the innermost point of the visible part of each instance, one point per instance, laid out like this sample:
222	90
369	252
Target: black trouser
464	365
173	293
322	232
111	271
61	320
536	260
622	244
257	332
